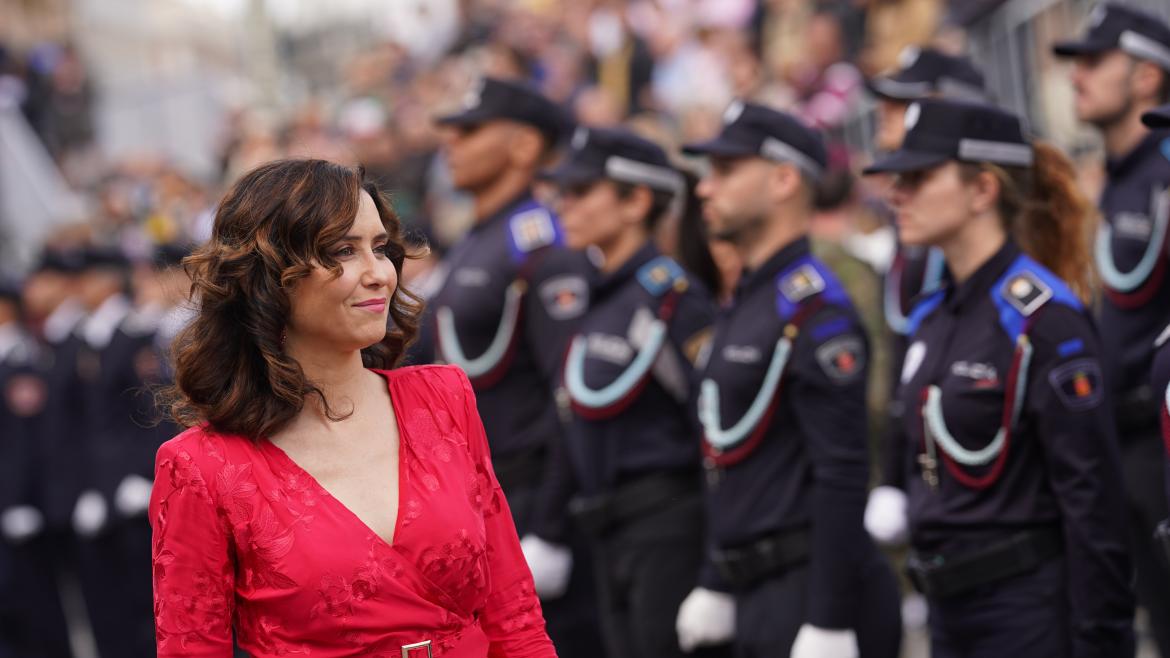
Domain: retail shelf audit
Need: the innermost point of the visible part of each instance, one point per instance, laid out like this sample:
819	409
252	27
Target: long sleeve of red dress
245	539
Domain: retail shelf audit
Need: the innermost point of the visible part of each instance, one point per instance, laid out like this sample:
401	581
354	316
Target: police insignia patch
532	229
842	358
1077	384
1026	292
801	283
564	297
26	395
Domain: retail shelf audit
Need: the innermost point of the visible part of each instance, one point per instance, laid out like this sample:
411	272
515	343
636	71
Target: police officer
782	405
914	271
504	314
32	622
1122	69
114	364
631	443
1015	503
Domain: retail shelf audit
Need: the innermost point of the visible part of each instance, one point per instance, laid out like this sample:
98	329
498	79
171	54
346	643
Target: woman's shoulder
203	447
443	379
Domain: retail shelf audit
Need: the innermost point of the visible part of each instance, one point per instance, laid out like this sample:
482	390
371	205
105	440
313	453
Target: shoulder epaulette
661	275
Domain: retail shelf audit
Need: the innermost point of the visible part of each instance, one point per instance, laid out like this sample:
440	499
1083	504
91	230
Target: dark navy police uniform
504	313
32	622
632	443
1015	495
1132	259
782	404
915	271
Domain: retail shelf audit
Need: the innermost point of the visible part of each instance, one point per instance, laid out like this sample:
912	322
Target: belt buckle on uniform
407	649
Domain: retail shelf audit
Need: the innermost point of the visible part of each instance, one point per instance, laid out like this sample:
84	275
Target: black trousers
770	613
1142	463
32	621
571	620
645	568
1026	615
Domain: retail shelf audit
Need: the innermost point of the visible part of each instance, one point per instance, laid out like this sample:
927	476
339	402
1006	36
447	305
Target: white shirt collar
100	326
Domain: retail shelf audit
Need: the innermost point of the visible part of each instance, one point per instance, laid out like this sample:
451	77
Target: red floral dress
245	538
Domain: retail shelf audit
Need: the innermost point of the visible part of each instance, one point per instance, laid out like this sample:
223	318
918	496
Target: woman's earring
283	337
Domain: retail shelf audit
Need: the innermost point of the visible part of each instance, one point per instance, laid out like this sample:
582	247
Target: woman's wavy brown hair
1046	213
272	228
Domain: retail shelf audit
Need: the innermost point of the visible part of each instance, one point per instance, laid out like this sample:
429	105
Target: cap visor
720	148
469	118
903	161
893	90
1079	48
569	173
1159	118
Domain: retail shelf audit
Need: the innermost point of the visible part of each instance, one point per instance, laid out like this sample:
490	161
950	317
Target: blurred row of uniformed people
82	352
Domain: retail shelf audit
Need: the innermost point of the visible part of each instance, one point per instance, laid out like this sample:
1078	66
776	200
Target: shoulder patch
532	229
565	297
1023	289
1026	292
842	358
801	283
25	395
660	275
1078	384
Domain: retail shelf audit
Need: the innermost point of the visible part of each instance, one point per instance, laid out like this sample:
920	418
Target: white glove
705	617
133	495
21	522
814	642
90	514
885	516
551	565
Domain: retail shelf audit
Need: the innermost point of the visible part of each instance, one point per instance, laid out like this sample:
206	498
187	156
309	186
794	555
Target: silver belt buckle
408	648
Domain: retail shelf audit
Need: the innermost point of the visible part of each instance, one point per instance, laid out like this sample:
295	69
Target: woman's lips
373	305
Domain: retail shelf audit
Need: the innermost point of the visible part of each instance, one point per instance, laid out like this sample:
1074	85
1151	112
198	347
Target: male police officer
504	314
782	405
922	73
1122	69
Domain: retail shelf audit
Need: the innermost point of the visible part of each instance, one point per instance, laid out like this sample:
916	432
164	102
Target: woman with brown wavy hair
1015	504
321	501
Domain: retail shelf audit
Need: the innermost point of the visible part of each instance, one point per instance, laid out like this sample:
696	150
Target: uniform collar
63	321
505	211
628	269
982	279
100	326
764	274
1149	145
11	337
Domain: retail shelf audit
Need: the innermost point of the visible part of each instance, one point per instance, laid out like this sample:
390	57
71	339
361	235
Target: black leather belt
1136	411
596	515
520	470
748	564
940	576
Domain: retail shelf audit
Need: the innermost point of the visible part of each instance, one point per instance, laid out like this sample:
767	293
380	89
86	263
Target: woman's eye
344	251
385	250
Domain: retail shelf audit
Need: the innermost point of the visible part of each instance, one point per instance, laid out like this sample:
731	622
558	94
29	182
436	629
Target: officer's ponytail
1047	215
687	244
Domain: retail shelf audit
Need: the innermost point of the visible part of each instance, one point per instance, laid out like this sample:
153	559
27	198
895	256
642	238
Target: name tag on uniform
613	349
472	277
745	354
1133	225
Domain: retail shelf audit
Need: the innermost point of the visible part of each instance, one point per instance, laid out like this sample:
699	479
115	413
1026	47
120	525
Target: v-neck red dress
245	538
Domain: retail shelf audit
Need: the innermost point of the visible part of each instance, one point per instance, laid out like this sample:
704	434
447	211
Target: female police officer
632	449
1015	503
